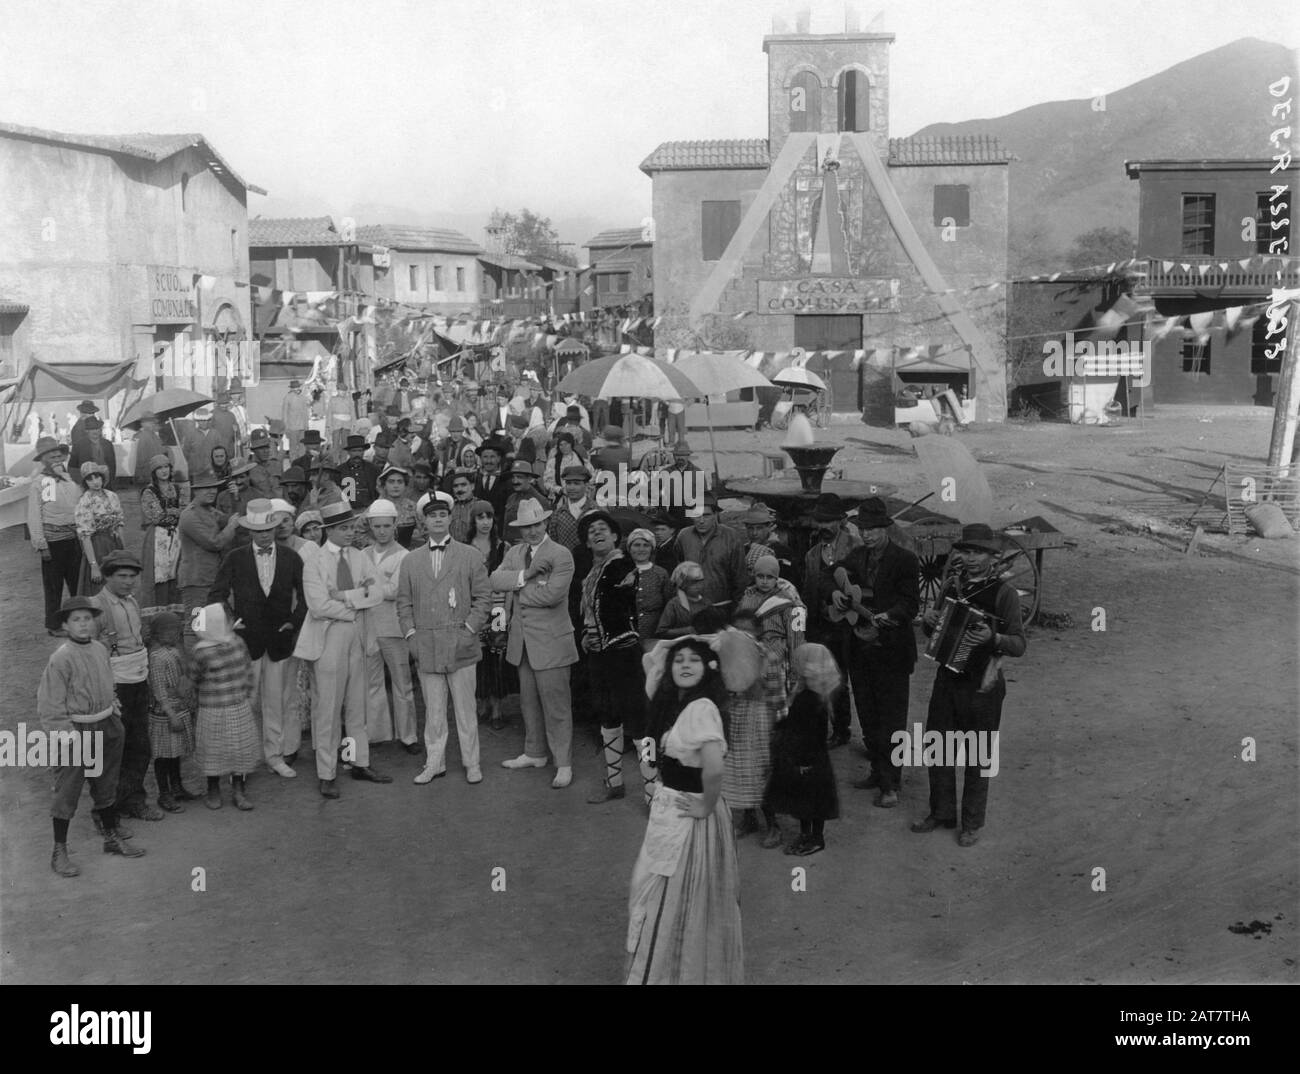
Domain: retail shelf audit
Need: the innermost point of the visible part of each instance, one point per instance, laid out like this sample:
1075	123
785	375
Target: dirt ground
1121	750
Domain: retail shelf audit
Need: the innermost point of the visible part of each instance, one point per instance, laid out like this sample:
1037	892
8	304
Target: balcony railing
1217	275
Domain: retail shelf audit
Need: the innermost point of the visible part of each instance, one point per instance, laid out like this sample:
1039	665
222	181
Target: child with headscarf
227	740
802	783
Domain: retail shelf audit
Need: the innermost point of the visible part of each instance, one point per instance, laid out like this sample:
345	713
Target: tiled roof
947	149
294	231
409	237
510	262
151	147
714	154
619	236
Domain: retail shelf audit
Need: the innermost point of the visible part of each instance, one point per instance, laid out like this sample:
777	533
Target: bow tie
441	545
264	551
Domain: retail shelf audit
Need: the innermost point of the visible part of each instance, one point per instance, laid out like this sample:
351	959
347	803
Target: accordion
950	644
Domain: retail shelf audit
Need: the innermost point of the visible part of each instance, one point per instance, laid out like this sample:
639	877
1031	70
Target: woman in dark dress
494	671
802	784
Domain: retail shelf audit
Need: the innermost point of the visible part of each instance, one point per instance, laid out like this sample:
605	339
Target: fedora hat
492	444
260	516
207	480
334	513
434	501
259	438
293	476
78	604
92	422
119	560
978	537
294	384
873	515
522	466
310	437
529	513
584	524
46	445
828	508
87	406
354	442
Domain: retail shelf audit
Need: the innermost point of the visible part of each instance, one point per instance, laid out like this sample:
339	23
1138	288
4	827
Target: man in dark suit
92	447
491	484
882	645
358	478
261	585
87	409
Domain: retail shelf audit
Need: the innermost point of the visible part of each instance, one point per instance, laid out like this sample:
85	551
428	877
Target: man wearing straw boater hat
339	583
971	700
261	585
444	599
536	574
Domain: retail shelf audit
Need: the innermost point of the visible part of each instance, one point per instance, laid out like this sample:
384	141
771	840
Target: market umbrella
717	374
953	473
572	346
168	404
798	377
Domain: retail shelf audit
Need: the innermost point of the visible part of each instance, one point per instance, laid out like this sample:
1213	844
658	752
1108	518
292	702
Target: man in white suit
536	574
384	642
443	601
339	583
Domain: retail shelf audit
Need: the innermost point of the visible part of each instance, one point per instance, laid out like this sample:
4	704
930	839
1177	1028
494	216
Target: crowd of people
271	593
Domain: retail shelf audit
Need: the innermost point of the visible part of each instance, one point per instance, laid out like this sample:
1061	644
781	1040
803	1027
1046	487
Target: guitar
864	622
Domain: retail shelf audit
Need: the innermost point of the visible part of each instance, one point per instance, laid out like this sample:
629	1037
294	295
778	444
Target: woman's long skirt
227	741
749	750
103	542
684	928
154	596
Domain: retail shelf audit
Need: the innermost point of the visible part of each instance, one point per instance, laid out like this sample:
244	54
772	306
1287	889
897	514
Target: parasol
167	405
798	377
572	346
629	376
717	374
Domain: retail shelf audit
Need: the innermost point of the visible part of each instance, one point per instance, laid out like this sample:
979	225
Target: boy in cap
76	697
121	632
971	700
385	646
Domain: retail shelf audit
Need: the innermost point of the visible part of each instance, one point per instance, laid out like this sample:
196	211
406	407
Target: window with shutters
413	277
854	100
1273	229
805	102
952	205
437	277
1198	224
1260	345
718	223
613	283
460	279
1196	357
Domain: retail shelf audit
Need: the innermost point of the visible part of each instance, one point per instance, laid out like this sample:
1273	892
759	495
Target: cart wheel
933	570
1018	569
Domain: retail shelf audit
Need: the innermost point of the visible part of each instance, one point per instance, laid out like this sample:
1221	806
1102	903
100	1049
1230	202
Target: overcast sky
454	107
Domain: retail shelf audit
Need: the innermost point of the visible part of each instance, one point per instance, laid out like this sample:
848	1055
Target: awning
9	305
74	380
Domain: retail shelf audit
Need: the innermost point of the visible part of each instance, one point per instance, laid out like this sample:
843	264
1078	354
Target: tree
529	235
1101	246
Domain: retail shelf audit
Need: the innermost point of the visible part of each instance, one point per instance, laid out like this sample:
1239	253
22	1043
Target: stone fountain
810	458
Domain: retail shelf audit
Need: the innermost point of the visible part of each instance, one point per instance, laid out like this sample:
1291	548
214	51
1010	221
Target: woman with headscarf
226	737
100	524
684	905
160	513
654	587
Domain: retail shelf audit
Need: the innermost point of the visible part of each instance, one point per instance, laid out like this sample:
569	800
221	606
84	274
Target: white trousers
381	722
435	687
274	684
340	694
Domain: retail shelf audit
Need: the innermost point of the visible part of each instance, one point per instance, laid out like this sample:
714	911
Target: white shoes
281	769
474	775
563	777
428	775
524	761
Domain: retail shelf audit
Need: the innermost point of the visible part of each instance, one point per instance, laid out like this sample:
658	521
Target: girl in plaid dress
227	739
171	711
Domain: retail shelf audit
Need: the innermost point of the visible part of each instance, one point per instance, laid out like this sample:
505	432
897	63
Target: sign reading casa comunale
828	294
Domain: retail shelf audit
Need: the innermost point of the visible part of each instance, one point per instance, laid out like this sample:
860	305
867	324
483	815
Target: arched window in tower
854	100
805	102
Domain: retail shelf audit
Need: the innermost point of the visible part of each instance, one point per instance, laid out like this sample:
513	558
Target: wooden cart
1020	564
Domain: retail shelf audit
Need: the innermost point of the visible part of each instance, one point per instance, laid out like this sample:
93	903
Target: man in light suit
443	601
384	642
339	582
262	587
536	574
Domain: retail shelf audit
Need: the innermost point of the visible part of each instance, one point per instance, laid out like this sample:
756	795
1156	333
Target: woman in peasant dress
227	740
100	523
160	512
171	711
654	587
684	906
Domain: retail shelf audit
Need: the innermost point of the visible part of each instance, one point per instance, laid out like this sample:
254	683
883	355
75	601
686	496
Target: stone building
113	245
832	236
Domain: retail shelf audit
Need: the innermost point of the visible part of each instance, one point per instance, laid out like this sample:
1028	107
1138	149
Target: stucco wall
1160	213
395	283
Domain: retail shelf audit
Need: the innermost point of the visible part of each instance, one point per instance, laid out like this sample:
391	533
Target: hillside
1070	174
